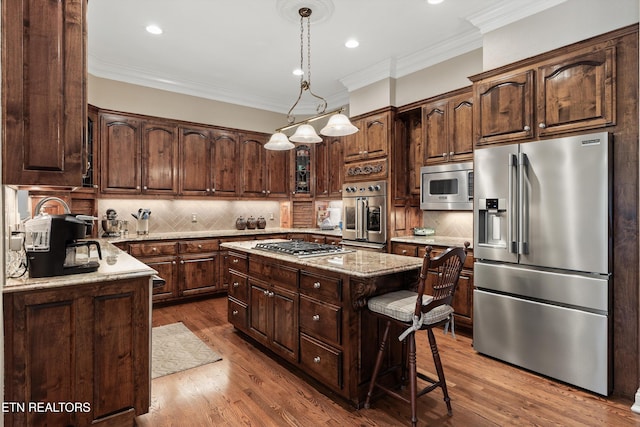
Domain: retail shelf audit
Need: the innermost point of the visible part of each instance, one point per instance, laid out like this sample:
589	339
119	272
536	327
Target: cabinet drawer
197	246
239	286
237	262
405	249
237	314
320	319
281	275
316	238
321	287
323	361
152	249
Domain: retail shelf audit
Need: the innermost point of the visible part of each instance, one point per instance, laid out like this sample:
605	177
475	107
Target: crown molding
508	12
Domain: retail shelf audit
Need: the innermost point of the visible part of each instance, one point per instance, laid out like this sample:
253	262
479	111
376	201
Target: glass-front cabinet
302	169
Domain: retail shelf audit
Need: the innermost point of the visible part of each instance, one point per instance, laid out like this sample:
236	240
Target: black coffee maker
53	247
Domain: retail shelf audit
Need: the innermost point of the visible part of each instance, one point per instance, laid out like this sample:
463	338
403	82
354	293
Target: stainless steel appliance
53	247
447	187
364	219
542	244
301	249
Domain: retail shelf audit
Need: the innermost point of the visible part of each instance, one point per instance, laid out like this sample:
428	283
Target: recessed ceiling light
434	1
154	29
352	43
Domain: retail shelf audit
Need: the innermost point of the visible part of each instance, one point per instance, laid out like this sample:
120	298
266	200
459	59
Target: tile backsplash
176	215
452	224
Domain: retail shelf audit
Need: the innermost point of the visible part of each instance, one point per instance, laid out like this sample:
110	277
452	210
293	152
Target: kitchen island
311	312
77	347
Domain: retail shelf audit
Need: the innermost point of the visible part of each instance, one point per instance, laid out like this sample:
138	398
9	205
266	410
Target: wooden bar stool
416	311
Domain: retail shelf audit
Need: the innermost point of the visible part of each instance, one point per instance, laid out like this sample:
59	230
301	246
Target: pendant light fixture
338	125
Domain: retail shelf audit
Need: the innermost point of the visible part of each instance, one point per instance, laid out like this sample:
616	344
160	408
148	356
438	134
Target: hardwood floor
249	388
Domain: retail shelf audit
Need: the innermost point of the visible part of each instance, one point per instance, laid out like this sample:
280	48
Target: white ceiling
244	51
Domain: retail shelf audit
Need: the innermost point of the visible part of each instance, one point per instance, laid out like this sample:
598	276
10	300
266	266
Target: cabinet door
462	304
225	163
461	127
195	162
278	173
320	159
335	161
159	159
44	92
120	160
252	156
259	310
577	92
167	269
285	322
434	123
354	143
504	108
376	130
198	274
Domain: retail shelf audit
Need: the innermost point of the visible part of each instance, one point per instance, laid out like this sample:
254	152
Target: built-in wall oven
364	219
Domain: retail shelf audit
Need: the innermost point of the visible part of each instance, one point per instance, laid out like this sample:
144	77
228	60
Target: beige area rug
175	348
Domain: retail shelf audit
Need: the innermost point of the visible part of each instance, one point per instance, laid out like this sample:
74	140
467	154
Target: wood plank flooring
249	388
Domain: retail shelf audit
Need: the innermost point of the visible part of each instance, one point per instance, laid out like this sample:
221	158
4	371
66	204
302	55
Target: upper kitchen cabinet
137	156
372	139
550	95
329	157
207	158
264	173
44	106
448	128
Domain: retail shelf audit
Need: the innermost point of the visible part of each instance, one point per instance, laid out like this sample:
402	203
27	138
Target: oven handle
361	212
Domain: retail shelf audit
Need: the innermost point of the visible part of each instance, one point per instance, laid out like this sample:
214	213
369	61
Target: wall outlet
271	216
194	217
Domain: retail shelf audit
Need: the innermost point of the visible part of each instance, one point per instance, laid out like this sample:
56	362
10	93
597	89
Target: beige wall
120	96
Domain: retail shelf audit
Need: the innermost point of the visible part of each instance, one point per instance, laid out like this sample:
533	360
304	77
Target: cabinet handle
316	317
527	128
271	294
236	284
316	359
404	251
234	312
316	285
542	126
235	260
266	293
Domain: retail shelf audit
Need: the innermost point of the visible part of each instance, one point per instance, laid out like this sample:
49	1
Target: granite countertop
355	263
434	240
133	237
114	265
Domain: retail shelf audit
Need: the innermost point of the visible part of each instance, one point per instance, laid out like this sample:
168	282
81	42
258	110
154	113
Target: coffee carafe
53	247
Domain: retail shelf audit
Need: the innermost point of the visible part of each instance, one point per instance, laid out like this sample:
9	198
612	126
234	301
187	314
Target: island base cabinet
82	350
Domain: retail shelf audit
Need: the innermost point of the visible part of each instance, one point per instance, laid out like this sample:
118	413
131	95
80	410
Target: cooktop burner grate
301	249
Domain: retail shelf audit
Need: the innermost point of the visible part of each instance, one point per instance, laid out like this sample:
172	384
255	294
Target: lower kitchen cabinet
463	298
84	345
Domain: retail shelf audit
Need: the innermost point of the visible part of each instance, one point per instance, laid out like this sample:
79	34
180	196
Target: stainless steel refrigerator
542	243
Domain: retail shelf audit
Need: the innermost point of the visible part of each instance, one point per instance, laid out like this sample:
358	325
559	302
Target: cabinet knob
271	294
213	190
316	285
181	261
234	312
145	187
266	293
137	187
451	153
268	191
527	128
235	260
542	125
316	317
404	251
236	284
154	249
173	262
199	246
444	154
316	359
264	192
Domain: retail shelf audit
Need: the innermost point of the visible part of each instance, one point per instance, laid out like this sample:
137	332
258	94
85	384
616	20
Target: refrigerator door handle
513	205
523	205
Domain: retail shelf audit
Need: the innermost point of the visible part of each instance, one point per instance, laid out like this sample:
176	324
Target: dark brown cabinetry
87	344
120	155
329	158
463	298
225	157
264	173
570	92
159	158
44	92
372	139
189	267
448	128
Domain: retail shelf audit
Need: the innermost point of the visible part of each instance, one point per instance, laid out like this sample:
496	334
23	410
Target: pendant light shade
279	142
305	133
339	125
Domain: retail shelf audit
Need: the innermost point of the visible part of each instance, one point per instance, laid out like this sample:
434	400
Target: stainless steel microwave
447	187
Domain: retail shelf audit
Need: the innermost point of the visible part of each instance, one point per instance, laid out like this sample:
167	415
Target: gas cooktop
302	249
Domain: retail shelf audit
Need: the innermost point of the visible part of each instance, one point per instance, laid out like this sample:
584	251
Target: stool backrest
446	268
